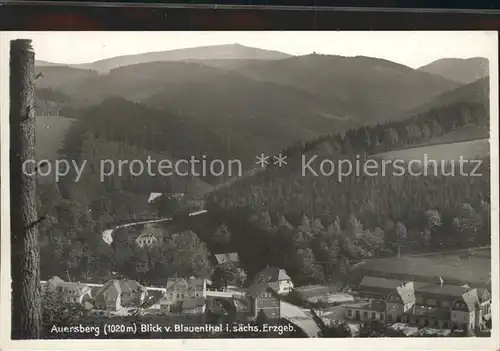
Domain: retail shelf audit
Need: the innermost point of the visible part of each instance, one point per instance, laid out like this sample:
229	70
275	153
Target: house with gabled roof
115	294
437	294
428	317
195	305
232	259
151	235
484	302
400	301
376	288
275	278
466	312
365	310
178	290
72	292
265	299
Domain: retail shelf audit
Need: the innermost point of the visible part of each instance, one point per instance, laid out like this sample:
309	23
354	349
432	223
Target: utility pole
25	255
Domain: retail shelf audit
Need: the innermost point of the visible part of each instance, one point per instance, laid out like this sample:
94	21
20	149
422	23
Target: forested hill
306	218
312	226
376	89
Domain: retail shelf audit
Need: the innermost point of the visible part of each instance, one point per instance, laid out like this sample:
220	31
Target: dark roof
196	282
256	289
384	283
271	274
429	312
112	288
190	282
192	303
437	289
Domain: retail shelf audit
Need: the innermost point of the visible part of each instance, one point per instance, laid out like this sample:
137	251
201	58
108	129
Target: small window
349	313
398	319
365	314
381	316
374	315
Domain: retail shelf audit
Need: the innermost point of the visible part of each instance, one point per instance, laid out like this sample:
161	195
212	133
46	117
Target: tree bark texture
25	255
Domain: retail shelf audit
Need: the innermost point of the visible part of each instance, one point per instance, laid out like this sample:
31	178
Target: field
455	267
470	150
50	132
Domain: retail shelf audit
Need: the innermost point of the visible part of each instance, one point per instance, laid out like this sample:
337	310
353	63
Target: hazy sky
413	49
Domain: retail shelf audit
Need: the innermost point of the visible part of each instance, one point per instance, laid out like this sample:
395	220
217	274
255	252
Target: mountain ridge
463	71
224	51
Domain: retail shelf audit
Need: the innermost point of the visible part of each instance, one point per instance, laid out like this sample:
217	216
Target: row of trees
422	128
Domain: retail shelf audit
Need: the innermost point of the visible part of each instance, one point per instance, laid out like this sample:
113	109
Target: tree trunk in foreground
25	255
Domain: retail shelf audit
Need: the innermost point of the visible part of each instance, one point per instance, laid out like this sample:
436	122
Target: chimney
399	251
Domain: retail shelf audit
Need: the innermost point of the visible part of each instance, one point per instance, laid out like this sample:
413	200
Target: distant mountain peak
461	70
234	51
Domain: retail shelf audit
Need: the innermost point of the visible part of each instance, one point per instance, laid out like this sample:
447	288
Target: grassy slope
473	149
452	266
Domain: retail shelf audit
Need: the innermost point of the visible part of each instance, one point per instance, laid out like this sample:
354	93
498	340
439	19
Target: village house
365	310
400	302
175	293
72	292
115	294
466	312
484	302
150	236
376	288
266	299
181	289
423	304
231	258
437	294
275	278
426	316
195	305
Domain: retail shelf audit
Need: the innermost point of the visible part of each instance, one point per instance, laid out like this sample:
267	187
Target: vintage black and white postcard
250	190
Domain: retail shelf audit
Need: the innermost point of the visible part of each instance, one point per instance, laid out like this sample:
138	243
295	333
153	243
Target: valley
234	102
